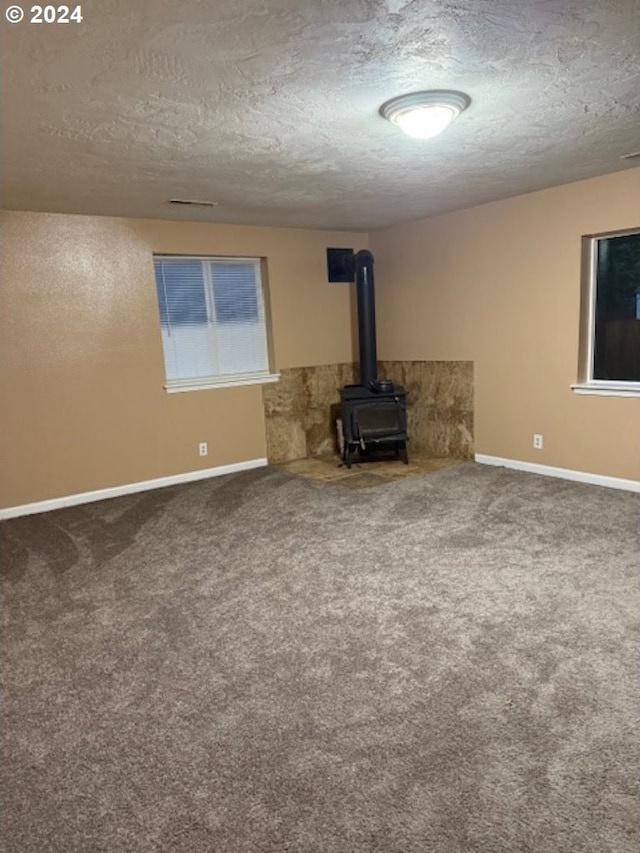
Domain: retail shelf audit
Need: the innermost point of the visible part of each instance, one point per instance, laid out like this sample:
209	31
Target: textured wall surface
300	409
499	285
440	405
82	403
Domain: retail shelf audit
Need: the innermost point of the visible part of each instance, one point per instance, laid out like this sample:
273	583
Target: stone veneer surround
300	409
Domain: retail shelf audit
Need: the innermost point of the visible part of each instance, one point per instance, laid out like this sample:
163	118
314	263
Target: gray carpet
263	663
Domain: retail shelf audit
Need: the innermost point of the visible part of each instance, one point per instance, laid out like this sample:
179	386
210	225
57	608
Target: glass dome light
424	115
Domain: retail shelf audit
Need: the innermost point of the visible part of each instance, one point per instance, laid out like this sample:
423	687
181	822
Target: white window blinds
212	320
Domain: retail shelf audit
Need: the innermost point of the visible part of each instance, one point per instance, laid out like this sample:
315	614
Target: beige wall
499	285
82	405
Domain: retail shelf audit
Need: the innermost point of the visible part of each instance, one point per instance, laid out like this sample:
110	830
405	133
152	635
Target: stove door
378	420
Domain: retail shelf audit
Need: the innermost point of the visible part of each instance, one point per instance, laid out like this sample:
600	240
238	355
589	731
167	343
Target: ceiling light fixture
425	114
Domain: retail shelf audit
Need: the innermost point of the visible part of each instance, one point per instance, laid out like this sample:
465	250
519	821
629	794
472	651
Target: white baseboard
562	473
129	488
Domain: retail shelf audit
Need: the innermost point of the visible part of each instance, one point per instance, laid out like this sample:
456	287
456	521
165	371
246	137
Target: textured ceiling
270	107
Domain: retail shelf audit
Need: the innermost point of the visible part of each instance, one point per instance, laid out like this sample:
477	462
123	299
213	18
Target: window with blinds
212	320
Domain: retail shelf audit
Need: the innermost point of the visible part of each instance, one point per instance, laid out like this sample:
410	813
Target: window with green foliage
611	322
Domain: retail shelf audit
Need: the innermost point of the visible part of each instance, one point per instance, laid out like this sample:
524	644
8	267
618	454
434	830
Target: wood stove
373	421
374	412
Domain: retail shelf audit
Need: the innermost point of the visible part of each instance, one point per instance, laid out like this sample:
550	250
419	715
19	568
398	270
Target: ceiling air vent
193	201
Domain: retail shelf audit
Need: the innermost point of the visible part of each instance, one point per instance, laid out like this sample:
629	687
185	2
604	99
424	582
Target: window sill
180	386
608	389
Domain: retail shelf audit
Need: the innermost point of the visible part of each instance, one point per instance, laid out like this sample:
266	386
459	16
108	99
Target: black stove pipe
366	317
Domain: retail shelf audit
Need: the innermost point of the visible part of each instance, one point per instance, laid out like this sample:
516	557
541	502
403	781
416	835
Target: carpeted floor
261	662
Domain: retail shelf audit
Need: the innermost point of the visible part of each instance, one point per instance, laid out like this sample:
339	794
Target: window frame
177	386
586	384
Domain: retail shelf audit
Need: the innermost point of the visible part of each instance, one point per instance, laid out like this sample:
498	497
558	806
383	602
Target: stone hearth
301	408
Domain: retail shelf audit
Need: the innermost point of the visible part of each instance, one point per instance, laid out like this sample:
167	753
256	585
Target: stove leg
346	455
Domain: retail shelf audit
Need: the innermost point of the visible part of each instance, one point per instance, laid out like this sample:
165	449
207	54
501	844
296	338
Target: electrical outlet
203	448
538	441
